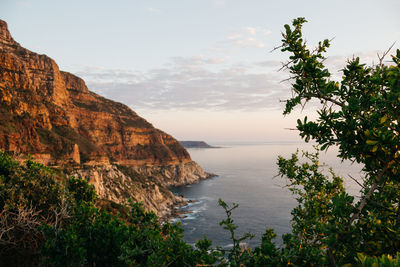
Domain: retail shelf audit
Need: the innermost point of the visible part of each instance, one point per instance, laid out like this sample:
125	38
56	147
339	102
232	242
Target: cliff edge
51	115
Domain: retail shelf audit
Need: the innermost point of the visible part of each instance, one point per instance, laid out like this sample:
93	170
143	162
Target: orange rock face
52	115
45	111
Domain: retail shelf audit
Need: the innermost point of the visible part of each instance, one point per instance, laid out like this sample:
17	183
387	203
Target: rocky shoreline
178	213
149	185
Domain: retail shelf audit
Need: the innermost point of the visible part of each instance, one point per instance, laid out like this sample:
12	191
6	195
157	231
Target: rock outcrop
118	183
52	115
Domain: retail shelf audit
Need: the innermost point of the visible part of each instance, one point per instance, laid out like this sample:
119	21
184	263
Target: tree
361	116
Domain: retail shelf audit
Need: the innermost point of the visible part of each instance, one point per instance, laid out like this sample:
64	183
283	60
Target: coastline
150	185
177	211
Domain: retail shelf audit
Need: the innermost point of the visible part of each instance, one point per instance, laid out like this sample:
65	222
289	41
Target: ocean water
247	175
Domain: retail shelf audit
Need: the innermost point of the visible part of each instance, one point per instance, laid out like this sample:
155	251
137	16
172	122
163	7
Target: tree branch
364	201
356	215
319	96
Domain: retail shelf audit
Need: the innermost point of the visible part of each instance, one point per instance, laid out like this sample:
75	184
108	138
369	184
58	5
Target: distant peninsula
196	144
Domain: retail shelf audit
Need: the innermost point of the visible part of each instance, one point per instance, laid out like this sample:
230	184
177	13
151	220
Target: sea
247	175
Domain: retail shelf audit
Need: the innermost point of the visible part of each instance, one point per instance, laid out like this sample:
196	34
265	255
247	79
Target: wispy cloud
179	85
251	30
266	31
153	10
207	81
199	60
269	63
245	42
244	38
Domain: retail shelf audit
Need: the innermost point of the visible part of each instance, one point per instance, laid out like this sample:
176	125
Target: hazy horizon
199	70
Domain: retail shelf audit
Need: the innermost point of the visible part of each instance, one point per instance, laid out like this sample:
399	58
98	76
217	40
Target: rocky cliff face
118	183
52	115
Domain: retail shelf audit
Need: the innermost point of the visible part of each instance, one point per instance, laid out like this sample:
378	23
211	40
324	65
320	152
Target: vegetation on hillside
49	221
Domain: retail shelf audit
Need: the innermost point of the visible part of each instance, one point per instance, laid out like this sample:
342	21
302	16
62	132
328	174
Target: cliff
51	115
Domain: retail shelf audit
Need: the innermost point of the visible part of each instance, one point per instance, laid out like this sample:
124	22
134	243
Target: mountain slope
52	115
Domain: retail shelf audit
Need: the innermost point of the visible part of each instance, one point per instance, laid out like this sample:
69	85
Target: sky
199	69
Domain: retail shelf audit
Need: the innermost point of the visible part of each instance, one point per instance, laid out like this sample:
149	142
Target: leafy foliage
81	190
360	115
29	197
238	253
27	185
384	260
47	222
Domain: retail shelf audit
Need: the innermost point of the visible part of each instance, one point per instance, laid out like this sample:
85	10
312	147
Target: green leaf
371	142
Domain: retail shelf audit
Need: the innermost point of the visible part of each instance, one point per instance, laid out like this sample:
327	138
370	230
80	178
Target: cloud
153	10
247	42
269	64
244	38
251	30
266	32
203	82
199	60
177	86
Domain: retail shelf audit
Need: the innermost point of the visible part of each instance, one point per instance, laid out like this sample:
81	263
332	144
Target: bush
29	197
57	224
80	190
